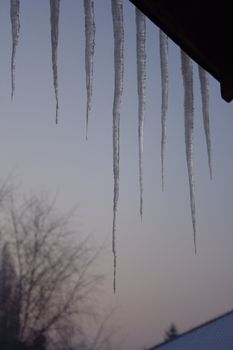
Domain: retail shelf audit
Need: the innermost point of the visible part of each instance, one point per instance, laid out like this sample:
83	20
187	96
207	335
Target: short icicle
89	53
204	82
54	22
15	28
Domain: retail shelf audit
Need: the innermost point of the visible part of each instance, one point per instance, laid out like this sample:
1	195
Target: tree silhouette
9	317
171	333
47	279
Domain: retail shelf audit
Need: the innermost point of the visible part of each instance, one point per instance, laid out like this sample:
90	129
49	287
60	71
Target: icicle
118	30
15	27
54	21
141	78
164	82
204	81
187	72
89	52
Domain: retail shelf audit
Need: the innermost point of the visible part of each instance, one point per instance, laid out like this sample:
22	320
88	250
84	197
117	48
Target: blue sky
160	280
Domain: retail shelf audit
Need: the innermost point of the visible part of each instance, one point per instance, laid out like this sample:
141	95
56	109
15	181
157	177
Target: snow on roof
216	334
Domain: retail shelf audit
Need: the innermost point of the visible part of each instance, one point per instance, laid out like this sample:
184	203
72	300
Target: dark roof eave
202	29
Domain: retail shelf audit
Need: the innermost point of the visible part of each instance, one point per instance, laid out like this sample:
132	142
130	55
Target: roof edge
192	330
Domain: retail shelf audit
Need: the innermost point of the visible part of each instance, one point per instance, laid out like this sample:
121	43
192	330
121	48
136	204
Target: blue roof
216	334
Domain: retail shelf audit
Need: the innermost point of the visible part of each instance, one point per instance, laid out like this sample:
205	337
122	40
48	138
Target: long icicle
89	53
204	82
141	79
118	30
15	28
163	39
54	22
187	73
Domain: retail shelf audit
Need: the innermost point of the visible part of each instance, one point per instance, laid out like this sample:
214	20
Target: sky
159	278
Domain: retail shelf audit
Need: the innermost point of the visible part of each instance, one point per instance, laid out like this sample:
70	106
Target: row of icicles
118	32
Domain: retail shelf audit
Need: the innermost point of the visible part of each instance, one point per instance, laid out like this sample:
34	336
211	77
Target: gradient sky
159	278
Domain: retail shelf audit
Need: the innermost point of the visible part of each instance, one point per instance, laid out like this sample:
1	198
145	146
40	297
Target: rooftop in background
212	335
203	29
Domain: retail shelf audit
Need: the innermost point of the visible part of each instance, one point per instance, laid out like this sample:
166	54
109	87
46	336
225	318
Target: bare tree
9	320
55	283
105	336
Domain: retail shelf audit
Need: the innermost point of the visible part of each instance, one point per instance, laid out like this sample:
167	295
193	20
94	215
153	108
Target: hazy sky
159	278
